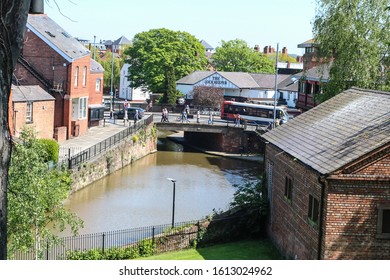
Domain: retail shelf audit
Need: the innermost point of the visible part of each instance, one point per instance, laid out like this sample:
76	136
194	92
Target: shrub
52	149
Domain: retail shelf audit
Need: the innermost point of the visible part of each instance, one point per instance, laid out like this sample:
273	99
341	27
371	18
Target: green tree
107	63
13	15
237	56
251	200
172	94
354	34
156	52
207	96
35	197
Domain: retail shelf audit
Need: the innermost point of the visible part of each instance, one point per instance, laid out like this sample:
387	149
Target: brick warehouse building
58	63
328	179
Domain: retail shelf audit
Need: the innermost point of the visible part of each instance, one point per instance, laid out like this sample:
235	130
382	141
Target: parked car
130	113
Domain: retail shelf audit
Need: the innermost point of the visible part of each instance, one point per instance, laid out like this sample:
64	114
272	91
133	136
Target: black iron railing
95	150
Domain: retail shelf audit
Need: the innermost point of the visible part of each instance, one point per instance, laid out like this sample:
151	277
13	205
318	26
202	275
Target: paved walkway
93	136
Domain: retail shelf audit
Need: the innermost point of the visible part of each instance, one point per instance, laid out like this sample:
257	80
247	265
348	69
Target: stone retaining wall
140	144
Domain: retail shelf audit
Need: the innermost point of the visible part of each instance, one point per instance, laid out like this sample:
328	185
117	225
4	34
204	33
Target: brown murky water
141	195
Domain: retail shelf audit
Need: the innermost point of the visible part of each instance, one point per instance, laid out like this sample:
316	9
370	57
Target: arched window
76	76
84	76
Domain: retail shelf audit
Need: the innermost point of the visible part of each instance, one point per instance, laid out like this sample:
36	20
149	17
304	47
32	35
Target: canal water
141	195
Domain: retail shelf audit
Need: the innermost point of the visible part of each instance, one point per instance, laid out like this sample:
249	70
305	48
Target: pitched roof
195	77
289	84
268	80
30	93
206	45
240	79
307	44
336	132
122	41
318	73
56	37
96	67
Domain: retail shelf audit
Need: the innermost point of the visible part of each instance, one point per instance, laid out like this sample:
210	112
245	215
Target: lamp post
276	83
173	206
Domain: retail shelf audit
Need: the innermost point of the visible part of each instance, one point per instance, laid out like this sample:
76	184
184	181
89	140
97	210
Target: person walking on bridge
238	119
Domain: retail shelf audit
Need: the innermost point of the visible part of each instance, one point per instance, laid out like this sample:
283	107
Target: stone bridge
220	136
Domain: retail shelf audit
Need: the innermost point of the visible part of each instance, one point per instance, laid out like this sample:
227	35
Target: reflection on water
141	195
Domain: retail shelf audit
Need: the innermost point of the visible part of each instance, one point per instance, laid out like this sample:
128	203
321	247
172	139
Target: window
309	50
288	185
76	76
84	76
383	226
83	107
313	211
29	112
79	108
98	85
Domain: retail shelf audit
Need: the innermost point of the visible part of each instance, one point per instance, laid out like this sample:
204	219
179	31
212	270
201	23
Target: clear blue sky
261	22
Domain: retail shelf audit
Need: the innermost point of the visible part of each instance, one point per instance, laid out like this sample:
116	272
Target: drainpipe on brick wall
324	184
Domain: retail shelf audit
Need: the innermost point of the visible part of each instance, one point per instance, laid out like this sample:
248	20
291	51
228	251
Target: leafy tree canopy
355	33
112	65
207	96
157	52
35	197
237	56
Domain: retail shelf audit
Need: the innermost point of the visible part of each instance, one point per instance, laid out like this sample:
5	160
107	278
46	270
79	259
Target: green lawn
241	250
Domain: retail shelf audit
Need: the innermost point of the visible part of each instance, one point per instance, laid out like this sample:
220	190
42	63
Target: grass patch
240	250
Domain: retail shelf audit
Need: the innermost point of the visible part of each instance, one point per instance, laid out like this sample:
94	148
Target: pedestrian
184	117
198	116
238	118
166	115
136	116
163	115
211	121
187	109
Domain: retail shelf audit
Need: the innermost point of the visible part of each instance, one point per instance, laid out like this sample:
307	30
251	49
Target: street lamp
173	206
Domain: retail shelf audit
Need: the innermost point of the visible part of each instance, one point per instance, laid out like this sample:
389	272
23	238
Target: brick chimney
36	7
284	50
257	48
268	50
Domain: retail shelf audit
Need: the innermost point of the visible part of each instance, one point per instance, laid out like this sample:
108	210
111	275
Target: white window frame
29	112
84	76
79	108
98	84
76	76
83	104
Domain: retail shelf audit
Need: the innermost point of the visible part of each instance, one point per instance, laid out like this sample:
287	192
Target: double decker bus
253	113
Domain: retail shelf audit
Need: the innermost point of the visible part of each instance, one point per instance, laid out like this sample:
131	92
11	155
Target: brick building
57	62
328	179
31	107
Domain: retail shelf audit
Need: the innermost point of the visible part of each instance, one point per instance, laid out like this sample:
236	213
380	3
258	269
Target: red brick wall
352	217
78	91
289	226
45	59
60	73
381	167
43	118
95	97
350	210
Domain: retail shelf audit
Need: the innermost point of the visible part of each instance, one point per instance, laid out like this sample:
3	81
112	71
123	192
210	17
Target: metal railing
163	237
95	150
